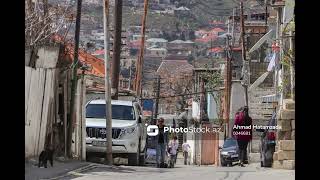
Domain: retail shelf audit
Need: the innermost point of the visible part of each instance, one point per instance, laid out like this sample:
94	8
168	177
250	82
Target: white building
157	42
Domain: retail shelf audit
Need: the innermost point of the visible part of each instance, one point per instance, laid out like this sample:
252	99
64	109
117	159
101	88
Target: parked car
229	152
128	130
268	143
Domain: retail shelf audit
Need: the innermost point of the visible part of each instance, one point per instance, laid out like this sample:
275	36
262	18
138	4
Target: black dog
46	155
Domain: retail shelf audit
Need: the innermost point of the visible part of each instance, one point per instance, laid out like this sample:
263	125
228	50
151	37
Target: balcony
277	3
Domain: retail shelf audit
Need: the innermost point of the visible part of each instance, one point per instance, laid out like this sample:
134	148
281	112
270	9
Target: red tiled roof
237	49
216	22
174	67
175	57
217	30
206	39
84	57
99	52
216	49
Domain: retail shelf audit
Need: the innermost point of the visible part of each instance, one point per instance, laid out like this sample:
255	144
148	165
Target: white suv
128	129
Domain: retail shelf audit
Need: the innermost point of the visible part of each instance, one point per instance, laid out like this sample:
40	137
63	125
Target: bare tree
43	20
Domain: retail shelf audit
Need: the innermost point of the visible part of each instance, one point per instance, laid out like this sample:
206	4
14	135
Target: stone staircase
260	113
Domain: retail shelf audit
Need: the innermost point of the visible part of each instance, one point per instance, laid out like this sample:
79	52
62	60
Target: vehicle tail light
271	136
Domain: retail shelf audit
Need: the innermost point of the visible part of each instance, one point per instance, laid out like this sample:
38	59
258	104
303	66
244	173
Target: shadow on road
117	169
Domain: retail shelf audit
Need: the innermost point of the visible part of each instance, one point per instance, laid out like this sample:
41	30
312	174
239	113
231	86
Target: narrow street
251	172
116	88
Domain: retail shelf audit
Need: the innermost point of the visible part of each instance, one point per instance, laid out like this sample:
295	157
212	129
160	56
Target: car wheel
133	158
88	157
267	161
223	162
143	157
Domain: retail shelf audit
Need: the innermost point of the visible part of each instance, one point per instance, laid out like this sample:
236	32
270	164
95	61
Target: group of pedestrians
242	135
165	147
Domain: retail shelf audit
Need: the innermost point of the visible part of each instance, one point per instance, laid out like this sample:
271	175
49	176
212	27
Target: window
119	112
229	143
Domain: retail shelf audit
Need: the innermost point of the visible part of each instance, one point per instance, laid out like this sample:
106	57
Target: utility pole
202	96
228	81
116	49
138	76
75	67
158	96
292	72
130	74
233	25
109	159
266	14
246	65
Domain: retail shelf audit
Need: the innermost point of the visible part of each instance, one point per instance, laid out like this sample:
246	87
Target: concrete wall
212	107
237	100
92	96
78	148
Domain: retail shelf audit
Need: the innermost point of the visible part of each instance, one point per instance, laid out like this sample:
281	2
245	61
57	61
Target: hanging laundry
277	61
272	62
268	57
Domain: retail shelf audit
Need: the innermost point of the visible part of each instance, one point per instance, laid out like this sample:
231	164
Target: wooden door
209	146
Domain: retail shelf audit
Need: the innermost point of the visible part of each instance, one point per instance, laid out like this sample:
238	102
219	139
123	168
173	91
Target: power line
178	95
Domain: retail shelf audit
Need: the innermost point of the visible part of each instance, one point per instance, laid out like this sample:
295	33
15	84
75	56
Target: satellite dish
261	41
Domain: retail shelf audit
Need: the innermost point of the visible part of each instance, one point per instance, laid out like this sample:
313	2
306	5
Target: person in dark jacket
161	141
242	131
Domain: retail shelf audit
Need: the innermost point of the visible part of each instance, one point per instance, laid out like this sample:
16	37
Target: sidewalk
32	172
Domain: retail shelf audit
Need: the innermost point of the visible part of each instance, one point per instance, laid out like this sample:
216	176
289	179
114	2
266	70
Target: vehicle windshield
230	143
119	112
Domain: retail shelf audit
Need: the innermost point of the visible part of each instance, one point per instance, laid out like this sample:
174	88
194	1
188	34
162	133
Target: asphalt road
251	172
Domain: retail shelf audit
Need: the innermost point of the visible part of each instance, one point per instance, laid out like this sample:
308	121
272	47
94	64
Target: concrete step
259	104
254	157
257	100
260	111
260	93
259	89
255	144
260	122
285	164
261	116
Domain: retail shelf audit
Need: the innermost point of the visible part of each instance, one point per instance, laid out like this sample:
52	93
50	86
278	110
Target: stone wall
284	156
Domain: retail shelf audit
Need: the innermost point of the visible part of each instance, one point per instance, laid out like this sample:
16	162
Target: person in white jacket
173	145
185	149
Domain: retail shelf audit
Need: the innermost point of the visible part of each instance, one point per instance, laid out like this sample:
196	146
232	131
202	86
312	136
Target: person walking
161	141
173	144
185	149
242	131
